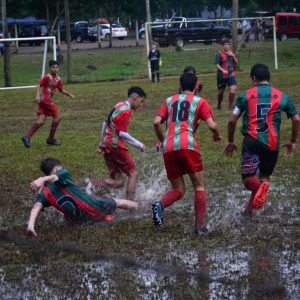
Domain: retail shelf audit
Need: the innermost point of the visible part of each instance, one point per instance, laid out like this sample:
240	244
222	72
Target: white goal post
165	33
45	38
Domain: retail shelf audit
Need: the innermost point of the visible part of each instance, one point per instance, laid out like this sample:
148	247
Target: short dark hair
225	41
261	72
136	90
189	69
48	164
52	62
188	81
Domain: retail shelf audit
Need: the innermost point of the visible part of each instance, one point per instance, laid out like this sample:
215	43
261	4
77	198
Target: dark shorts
118	161
222	83
154	65
257	158
180	162
47	109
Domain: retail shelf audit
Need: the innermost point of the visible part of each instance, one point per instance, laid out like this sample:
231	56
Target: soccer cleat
158	215
53	142
261	194
201	231
246	215
26	141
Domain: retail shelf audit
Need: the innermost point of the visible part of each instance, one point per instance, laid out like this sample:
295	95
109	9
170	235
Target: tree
7	77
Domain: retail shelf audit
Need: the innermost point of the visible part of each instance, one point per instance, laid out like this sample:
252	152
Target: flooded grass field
127	258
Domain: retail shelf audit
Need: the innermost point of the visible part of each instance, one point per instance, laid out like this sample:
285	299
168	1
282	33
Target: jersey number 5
183	112
261	115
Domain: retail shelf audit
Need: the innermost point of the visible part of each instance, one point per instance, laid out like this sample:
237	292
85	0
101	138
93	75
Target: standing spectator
257	30
49	83
246	30
155	60
112	144
225	61
261	107
181	113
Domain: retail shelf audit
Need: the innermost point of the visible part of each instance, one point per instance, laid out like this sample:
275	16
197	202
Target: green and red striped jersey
67	197
226	62
182	113
262	106
118	121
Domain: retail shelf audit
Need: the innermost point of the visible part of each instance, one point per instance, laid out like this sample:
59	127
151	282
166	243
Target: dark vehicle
79	31
28	30
188	30
1	49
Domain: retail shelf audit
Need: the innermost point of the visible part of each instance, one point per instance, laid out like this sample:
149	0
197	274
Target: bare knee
40	123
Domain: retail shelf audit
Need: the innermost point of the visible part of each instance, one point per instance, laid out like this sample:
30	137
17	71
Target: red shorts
47	109
119	161
180	162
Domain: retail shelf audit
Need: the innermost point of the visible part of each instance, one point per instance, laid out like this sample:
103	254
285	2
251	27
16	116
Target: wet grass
127	258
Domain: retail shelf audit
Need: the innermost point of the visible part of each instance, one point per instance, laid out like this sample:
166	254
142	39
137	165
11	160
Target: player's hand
225	72
72	96
37	185
229	53
290	149
229	149
37	100
143	148
217	137
100	150
31	232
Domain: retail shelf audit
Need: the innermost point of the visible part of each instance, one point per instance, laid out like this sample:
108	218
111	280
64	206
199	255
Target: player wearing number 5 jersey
182	112
261	107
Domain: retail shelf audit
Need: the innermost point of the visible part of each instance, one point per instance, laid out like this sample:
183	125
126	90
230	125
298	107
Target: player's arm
63	91
38	184
221	69
38	93
291	145
131	140
213	127
231	146
157	128
37	207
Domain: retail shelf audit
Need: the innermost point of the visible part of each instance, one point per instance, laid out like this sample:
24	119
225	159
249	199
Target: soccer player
181	113
49	83
58	189
261	107
225	61
112	144
154	58
199	85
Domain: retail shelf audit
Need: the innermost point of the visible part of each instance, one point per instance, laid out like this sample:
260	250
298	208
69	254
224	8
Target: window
292	20
282	21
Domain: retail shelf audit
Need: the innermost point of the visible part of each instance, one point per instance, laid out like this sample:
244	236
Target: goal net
30	60
191	41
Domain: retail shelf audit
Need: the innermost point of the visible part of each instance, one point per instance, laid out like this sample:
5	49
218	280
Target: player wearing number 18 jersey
182	112
261	107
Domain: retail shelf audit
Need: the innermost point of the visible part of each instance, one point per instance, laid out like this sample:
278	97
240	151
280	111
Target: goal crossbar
45	38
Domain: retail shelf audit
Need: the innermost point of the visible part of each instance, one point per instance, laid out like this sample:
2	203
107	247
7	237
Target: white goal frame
149	24
44	38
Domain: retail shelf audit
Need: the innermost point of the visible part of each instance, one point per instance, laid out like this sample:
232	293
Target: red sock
53	130
170	197
33	129
200	209
252	184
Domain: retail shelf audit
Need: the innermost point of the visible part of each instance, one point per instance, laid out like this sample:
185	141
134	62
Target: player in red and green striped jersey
261	107
182	112
225	61
112	144
58	189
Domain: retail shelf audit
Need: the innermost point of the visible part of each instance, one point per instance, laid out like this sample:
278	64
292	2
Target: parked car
189	30
1	49
29	30
79	31
118	31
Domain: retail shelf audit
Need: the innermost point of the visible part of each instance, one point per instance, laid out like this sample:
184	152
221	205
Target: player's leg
55	122
157	74
40	122
232	91
200	202
221	89
126	204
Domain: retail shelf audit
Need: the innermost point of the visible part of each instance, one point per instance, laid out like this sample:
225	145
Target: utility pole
148	14
235	14
7	78
68	36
